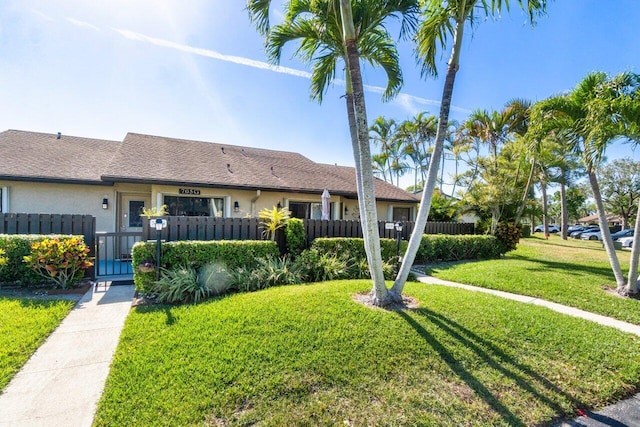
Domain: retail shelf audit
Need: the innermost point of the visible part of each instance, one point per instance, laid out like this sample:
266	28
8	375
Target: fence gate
113	255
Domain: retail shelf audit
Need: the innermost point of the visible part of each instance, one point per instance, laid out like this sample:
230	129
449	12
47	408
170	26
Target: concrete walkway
571	311
621	414
62	382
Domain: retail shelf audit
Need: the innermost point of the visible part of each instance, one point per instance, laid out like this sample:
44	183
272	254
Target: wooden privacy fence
23	223
212	228
78	225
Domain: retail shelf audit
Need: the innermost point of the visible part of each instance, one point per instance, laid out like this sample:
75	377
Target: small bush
525	230
295	236
271	271
232	254
314	266
215	277
508	234
3	259
60	261
441	247
178	286
16	247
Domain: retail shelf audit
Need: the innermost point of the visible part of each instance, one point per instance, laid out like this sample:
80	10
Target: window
402	214
194	206
305	210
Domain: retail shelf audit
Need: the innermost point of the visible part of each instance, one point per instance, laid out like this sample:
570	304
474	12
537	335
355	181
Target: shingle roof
145	158
41	156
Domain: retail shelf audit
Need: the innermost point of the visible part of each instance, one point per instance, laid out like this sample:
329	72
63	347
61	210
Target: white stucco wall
35	197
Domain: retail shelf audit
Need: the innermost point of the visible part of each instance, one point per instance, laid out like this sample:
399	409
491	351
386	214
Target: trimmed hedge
16	247
353	247
433	247
196	254
442	247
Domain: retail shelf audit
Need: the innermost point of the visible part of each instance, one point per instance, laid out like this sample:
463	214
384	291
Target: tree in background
620	185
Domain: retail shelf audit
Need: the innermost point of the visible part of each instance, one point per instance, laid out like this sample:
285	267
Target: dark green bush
353	248
442	247
196	254
508	234
295	236
314	266
525	230
16	247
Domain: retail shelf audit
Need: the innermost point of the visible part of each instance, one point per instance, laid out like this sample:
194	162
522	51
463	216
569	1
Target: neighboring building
612	219
114	181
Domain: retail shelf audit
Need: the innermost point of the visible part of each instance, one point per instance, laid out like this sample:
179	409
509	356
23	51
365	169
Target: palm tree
590	118
379	165
445	19
383	132
327	33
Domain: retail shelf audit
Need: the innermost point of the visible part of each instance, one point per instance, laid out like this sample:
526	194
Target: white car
592	235
626	242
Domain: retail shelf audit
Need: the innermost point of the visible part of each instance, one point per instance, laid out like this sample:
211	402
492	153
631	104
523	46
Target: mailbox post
159	224
398	227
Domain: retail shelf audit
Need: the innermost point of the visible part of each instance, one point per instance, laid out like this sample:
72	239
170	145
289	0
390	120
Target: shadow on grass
522	375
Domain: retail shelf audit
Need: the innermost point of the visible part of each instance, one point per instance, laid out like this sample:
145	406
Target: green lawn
310	355
24	325
572	272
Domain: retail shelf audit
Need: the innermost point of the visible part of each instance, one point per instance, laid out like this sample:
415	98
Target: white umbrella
325	204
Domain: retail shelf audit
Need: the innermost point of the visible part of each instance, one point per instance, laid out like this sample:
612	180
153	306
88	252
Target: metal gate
113	255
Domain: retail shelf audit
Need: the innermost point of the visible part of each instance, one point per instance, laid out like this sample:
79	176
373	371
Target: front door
131	209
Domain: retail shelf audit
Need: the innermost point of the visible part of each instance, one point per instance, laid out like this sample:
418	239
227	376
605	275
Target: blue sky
197	70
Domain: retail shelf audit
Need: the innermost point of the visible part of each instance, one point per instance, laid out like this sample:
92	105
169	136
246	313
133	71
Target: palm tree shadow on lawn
527	380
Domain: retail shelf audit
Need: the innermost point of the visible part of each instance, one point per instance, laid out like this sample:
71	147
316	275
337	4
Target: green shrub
179	285
16	247
195	254
442	247
353	248
508	234
272	271
295	236
314	266
215	278
3	259
60	261
525	230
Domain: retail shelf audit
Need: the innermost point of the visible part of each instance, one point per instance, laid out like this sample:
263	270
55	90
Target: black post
158	253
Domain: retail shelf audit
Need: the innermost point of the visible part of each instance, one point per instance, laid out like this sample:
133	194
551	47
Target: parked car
577	234
552	229
626	242
591	235
575	228
622	233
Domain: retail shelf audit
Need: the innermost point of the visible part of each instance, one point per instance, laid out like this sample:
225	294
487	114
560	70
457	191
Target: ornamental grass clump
61	261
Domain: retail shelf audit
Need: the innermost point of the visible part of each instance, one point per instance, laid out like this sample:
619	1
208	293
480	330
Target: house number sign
189	191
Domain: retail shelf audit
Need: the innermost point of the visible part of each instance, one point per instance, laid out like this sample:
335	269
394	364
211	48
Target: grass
24	325
310	355
571	272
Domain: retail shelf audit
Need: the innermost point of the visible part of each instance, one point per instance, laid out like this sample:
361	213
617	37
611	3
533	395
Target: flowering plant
147	266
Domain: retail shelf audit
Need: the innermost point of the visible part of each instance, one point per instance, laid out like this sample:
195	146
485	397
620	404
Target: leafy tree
444	21
443	208
620	185
575	198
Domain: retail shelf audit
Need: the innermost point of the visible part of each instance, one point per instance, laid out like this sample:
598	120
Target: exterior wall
35	197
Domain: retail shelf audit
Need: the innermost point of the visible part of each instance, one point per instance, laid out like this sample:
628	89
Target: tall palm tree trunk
526	192
545	203
606	234
362	156
432	174
563	208
632	283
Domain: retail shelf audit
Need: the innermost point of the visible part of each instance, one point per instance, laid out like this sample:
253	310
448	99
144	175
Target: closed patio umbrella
325	204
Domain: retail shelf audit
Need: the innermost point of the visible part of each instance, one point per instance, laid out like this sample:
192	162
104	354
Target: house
613	220
115	180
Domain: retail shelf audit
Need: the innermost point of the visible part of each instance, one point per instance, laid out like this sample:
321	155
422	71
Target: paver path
62	382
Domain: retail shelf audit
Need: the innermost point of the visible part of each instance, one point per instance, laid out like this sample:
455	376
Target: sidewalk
623	413
62	382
